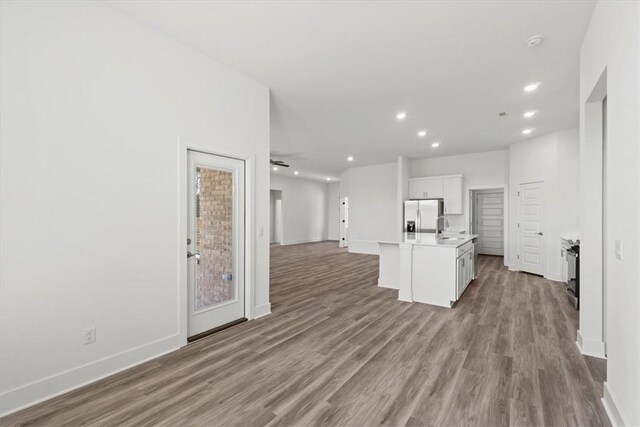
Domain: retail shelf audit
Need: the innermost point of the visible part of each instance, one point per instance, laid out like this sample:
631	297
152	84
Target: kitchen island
427	269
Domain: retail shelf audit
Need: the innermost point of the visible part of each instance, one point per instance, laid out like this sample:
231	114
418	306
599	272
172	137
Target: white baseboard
364	247
589	347
382	284
554	276
611	408
297	242
262	310
38	391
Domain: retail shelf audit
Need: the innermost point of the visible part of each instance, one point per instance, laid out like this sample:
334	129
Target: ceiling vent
534	41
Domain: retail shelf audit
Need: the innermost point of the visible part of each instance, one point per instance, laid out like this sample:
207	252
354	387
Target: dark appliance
572	258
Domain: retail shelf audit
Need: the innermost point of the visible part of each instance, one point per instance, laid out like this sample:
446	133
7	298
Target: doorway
344	222
488	220
531	223
215	242
276	228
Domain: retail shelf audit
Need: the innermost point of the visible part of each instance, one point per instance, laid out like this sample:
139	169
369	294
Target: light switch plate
618	244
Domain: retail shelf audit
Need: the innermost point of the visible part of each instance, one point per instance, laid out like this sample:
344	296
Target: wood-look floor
338	350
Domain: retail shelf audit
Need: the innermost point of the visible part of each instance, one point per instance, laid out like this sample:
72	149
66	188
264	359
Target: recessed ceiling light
529	114
531	87
275	168
350	159
296	172
328	179
527	131
435	144
401	115
422	133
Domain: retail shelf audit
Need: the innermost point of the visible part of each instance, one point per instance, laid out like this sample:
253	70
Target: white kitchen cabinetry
452	192
425	269
465	270
426	188
447	187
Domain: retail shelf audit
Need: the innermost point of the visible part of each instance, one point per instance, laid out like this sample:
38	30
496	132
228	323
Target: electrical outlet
90	335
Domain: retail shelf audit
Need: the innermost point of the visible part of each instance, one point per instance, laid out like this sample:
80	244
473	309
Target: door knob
190	254
539	234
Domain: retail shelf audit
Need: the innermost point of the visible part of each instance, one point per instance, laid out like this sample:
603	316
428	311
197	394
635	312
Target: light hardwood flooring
338	350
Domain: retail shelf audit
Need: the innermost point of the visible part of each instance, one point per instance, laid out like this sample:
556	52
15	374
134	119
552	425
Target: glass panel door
216	241
214	237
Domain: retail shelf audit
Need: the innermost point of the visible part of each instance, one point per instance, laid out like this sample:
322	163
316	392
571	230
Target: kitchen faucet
440	230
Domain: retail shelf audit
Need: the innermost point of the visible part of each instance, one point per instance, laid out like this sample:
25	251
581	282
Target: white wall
486	169
333	211
553	159
93	109
372	205
273	196
612	43
304	208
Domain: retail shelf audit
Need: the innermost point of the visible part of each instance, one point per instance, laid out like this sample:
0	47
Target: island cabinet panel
389	266
465	269
434	275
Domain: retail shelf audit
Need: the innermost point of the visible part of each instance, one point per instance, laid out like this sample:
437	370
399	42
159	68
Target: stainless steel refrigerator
421	216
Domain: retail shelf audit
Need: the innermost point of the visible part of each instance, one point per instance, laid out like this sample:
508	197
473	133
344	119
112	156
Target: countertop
429	239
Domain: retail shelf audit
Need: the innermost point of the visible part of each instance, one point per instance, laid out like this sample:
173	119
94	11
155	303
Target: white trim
262	310
297	242
249	236
588	347
556	277
47	388
505	198
369	247
608	401
382	284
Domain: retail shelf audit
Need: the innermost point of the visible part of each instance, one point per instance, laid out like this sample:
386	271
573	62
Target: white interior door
490	223
216	241
531	223
344	222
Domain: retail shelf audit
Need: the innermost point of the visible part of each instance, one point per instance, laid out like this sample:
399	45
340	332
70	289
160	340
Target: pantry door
531	225
490	222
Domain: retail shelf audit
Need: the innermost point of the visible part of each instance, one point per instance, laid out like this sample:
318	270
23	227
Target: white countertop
429	239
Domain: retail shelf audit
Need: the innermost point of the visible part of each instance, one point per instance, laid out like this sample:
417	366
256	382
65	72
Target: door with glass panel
215	245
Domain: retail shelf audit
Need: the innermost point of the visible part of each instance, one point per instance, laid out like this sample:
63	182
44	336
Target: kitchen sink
451	238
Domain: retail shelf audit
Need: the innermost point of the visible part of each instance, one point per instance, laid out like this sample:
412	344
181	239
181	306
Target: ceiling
340	71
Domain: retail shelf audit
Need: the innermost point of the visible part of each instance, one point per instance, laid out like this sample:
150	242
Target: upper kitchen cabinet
452	190
447	187
425	188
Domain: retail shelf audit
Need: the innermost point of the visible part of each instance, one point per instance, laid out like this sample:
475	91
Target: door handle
539	234
190	254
